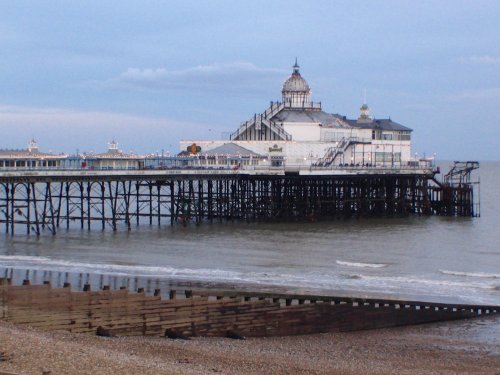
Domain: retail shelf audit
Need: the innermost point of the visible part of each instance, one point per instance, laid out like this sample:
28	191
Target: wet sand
440	348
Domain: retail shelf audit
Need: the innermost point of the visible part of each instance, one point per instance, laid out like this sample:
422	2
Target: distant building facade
33	159
30	158
113	158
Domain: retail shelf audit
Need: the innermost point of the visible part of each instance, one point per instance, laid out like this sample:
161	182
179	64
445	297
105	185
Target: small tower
364	114
33	146
113	147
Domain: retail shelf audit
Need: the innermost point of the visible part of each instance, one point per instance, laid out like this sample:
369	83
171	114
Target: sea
446	259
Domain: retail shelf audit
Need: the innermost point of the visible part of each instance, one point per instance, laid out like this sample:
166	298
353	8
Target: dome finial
296	67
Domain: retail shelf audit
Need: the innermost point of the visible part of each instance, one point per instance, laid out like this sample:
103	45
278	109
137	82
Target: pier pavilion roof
230	149
382	124
335	120
28	154
307	115
113	155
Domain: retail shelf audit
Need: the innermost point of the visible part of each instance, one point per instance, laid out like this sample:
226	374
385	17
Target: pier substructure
49	203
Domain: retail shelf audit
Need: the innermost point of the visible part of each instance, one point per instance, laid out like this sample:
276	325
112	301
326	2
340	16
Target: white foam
124	270
22	258
430	284
410	284
472	274
358	264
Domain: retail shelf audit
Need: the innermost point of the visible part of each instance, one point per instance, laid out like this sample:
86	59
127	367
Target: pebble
404	350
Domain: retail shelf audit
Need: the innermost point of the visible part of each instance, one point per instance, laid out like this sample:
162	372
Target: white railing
273	109
303	169
333	152
305	105
265	118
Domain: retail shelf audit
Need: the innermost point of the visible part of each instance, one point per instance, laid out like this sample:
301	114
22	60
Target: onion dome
296	91
295	83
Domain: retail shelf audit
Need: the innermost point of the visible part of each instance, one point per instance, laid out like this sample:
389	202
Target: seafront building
113	158
30	158
297	133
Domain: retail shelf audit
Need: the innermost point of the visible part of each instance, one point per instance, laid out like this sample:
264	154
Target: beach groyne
211	313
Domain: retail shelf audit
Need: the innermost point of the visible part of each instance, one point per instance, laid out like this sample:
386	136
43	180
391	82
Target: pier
48	201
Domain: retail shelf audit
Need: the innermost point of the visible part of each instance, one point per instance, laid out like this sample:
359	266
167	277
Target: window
387	136
403	136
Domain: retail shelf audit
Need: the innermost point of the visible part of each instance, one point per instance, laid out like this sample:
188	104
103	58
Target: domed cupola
296	91
364	114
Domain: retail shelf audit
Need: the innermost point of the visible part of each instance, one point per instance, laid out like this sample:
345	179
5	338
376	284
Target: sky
76	74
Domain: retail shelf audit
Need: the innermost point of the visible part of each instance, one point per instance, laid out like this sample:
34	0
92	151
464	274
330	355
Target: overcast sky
74	75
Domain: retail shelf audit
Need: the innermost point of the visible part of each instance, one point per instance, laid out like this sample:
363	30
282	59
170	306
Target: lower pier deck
34	202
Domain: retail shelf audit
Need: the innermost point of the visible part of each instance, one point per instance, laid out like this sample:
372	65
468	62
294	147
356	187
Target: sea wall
121	312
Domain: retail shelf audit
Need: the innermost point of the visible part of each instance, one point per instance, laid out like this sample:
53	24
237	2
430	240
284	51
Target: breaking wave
358	264
472	274
425	284
22	258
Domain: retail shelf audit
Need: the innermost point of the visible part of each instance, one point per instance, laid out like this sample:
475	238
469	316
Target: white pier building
296	132
30	158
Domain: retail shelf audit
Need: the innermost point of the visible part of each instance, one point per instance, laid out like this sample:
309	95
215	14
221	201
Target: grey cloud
234	76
